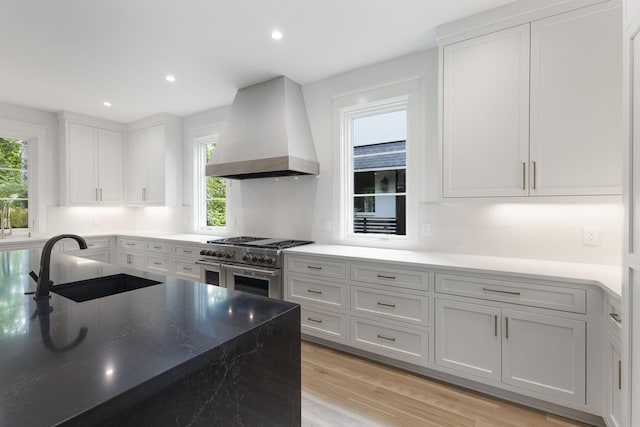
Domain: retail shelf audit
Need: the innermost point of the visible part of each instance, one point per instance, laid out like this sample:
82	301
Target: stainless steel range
249	264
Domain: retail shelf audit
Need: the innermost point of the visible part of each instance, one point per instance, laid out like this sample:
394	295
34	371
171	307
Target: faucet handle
34	276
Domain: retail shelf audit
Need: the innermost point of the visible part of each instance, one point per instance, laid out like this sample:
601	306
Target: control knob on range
246	257
261	259
254	258
269	260
228	254
203	252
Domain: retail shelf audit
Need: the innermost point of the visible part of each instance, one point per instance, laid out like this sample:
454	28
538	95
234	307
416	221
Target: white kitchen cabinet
534	109
94	165
468	338
154	162
613	385
576	103
98	248
486	115
545	354
539	353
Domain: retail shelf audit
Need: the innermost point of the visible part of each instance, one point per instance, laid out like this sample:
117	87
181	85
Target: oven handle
207	263
271	273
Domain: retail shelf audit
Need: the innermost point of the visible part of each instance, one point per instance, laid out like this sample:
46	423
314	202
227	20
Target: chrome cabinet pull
97	195
506	335
382	337
130	244
314	292
382	276
157	263
187	268
495	325
616	317
157	247
535	173
101	194
314	320
500	291
187	252
313	267
386	305
524	175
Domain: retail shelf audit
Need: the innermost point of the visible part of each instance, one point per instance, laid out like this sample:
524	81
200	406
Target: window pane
385	127
380	215
14	186
216	195
379	168
216	213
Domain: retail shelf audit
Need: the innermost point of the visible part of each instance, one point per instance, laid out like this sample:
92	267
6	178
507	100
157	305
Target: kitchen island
175	353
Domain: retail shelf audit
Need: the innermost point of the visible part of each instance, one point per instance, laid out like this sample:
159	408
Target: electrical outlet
591	236
425	229
96	220
326	225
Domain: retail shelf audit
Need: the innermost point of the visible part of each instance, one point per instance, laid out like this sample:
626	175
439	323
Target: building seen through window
379	173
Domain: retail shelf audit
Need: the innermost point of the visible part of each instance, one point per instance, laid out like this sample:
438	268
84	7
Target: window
211	200
14	183
375	141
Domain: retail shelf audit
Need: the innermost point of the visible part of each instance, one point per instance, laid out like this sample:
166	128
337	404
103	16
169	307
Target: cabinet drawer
614	314
317	291
71	245
329	326
131	244
158	263
390	276
186	251
390	305
391	341
555	298
320	267
188	270
163	248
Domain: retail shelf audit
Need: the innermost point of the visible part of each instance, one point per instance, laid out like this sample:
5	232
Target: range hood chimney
267	134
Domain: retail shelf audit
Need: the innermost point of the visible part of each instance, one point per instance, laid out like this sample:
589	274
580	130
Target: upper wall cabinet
486	114
154	162
92	162
535	109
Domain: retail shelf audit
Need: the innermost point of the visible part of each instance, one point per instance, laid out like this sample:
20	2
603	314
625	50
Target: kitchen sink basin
85	290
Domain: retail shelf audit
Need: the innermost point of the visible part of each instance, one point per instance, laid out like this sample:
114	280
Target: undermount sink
85	290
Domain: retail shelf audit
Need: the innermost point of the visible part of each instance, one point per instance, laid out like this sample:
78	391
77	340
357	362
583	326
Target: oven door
257	281
210	272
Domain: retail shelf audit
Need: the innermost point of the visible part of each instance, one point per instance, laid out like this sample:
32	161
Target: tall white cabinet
91	161
154	161
533	109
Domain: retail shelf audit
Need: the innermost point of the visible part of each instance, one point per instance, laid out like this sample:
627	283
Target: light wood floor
339	389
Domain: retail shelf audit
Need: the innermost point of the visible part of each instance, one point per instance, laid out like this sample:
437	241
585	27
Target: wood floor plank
340	389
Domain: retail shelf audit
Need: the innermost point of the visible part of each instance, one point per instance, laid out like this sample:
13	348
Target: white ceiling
74	54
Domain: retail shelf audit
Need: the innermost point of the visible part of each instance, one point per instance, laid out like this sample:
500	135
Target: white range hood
267	134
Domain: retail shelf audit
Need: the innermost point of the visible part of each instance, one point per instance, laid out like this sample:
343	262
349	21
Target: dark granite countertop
81	355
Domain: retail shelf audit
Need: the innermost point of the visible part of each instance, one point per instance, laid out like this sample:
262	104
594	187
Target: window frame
200	179
347	116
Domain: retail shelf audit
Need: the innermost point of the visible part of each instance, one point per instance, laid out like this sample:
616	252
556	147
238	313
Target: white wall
298	208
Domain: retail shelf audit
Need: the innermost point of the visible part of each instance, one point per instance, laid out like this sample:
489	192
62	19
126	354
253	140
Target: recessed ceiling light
170	78
106	104
276	35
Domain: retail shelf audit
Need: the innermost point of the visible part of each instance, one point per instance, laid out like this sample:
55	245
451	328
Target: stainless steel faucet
44	283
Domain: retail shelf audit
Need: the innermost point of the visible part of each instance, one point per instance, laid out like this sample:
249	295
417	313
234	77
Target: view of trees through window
216	196
14	188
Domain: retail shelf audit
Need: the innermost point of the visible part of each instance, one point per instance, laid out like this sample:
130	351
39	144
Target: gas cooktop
259	242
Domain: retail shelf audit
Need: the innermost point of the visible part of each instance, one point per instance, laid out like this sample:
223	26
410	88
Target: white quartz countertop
608	277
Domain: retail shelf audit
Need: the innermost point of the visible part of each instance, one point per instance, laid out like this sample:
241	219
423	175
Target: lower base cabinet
613	363
535	352
398	342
